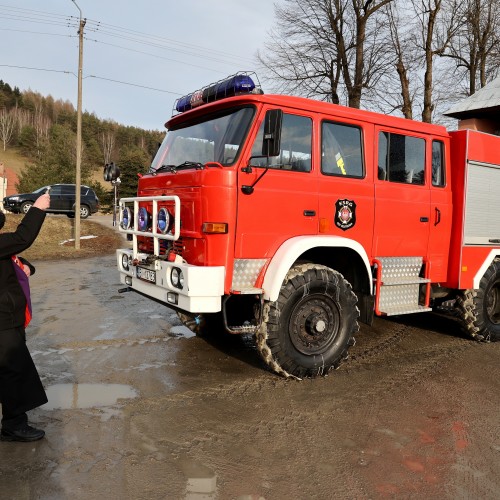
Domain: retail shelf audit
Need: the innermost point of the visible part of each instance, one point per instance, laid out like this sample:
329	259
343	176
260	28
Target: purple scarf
25	285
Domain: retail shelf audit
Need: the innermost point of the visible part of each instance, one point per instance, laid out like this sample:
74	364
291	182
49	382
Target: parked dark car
62	200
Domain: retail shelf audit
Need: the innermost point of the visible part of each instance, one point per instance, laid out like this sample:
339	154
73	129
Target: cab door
402	196
345	184
441	211
277	196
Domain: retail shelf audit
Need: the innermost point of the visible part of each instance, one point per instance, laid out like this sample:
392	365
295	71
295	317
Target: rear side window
296	145
438	164
401	158
341	152
68	190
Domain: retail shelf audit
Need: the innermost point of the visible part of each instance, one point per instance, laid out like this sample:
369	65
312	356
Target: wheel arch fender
494	254
291	250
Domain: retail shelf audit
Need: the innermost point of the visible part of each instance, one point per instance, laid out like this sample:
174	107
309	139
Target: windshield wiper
171	168
190	164
183	166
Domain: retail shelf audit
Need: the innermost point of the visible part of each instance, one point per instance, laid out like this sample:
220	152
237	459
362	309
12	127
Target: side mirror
272	132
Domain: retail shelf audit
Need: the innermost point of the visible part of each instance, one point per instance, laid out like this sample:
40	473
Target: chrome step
400	285
406	309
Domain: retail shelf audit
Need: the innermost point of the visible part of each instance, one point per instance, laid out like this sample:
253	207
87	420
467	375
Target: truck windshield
217	138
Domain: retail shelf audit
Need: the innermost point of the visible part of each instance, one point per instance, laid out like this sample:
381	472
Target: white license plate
146	274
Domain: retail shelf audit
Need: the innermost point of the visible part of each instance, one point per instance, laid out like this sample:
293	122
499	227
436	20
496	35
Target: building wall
8	181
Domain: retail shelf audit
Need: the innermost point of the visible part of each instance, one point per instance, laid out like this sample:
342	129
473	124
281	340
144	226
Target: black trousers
20	385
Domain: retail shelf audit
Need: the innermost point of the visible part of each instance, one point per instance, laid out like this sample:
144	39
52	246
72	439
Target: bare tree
326	48
24	118
108	143
42	124
7	125
475	47
401	83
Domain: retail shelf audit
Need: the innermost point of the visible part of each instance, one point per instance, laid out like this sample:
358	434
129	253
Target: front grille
146	245
177	247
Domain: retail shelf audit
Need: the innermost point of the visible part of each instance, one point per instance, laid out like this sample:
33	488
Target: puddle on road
181	331
201	482
70	396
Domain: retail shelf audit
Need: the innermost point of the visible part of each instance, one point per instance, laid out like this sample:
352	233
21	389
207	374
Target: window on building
341	151
296	145
401	158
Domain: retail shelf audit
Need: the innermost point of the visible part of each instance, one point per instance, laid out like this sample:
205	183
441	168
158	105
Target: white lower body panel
201	292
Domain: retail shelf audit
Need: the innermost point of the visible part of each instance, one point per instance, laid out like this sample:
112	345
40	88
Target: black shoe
25	433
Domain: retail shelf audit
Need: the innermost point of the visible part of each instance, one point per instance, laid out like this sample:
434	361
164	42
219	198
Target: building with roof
480	111
8	181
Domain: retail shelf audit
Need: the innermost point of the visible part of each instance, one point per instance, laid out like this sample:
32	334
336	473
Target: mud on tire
309	329
479	309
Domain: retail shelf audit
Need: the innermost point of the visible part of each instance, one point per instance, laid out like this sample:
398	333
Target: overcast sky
175	46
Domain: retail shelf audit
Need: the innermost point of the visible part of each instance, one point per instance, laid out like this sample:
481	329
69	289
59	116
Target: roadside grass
13	159
53	241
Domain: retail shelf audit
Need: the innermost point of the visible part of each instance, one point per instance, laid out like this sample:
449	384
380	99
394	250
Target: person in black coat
21	389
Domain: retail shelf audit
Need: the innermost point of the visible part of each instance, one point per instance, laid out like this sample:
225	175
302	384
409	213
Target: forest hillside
38	142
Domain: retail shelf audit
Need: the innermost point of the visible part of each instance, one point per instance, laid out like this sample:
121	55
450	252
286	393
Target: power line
37	32
35	16
109	28
37	12
133	85
158	45
37	69
152	55
92	76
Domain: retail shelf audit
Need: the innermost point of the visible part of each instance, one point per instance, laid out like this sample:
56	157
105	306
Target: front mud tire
307	332
479	309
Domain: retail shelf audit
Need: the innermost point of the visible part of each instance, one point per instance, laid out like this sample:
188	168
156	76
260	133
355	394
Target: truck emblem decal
345	214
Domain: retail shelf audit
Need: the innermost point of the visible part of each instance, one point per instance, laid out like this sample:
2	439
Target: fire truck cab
294	219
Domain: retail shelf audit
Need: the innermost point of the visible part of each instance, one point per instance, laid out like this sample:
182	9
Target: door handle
424	219
438	216
309	213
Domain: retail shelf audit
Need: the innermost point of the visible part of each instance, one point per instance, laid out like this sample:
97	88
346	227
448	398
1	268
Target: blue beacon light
234	85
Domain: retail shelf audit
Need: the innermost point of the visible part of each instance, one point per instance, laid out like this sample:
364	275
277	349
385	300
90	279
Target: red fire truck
294	219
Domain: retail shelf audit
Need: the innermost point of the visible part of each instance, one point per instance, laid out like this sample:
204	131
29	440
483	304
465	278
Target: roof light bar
238	84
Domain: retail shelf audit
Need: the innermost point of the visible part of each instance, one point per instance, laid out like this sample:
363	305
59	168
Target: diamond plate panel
400	269
398	295
245	272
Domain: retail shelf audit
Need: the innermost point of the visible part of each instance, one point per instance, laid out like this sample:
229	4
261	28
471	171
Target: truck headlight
143	221
164	221
125	263
127	218
177	278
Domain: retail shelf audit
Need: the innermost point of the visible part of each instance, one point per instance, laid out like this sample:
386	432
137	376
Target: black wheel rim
493	303
314	324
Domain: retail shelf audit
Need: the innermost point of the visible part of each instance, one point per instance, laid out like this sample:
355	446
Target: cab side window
438	165
296	145
341	152
401	158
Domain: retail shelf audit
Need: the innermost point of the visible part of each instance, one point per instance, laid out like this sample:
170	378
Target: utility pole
79	131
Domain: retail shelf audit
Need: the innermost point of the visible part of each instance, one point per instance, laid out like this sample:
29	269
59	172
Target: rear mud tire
203	325
307	332
479	309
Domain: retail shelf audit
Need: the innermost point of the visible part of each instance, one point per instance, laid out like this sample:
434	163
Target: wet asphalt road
140	409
